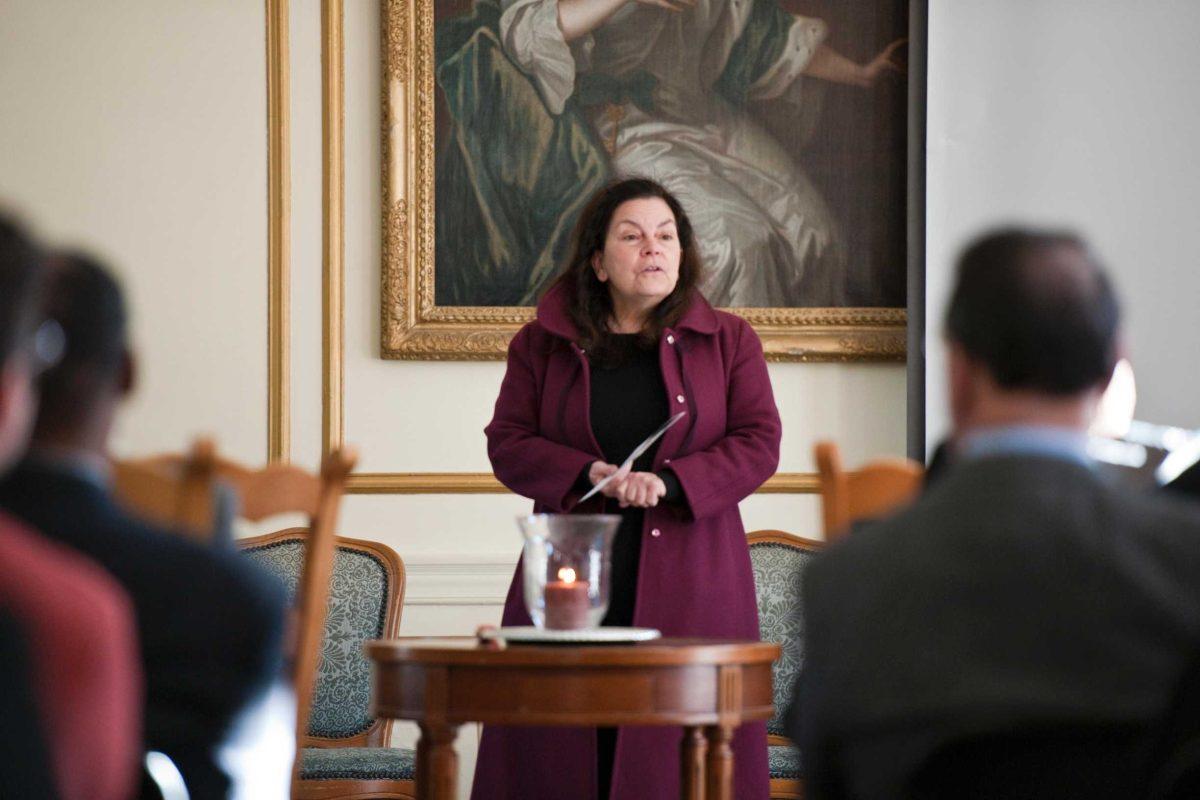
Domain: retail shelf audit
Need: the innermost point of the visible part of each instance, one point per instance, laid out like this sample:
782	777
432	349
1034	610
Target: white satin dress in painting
760	223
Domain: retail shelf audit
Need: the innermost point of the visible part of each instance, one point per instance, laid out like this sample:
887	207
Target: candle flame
566	575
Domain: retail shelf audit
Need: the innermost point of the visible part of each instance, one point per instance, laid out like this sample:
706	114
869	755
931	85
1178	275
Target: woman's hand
599	471
640	490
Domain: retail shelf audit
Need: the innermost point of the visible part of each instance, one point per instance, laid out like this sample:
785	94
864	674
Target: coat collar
552	315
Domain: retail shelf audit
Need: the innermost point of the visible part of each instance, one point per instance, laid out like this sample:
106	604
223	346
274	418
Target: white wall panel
1058	112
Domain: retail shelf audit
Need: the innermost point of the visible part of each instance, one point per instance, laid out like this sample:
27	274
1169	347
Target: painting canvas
780	124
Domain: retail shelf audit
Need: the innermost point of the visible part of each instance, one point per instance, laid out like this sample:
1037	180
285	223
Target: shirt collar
1066	444
83	466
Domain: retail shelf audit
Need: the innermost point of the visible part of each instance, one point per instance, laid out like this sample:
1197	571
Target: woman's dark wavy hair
589	303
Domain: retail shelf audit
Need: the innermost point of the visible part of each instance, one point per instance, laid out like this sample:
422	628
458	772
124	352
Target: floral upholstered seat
784	762
778	560
358	763
344	742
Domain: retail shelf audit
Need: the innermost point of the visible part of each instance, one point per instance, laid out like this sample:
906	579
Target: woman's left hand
640	490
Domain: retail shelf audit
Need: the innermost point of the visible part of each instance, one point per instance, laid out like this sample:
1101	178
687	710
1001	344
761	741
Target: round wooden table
708	686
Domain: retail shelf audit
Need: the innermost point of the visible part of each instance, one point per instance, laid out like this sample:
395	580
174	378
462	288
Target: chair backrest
173	491
283	488
778	560
365	602
262	493
876	488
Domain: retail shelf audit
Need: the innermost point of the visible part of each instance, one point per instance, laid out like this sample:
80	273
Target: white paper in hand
637	451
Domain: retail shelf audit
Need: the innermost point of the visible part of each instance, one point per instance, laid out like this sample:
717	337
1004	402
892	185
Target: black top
628	403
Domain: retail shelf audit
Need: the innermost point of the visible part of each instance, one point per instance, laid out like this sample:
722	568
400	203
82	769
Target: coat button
656	532
680	398
670	340
666	461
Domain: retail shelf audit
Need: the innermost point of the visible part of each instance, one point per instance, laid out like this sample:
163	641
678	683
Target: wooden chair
875	489
262	493
344	752
778	560
282	489
172	491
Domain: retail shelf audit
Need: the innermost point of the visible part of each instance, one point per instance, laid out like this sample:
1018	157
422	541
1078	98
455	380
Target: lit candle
567	603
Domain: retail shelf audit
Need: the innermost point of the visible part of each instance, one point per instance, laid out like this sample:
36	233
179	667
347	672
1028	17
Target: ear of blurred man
960	370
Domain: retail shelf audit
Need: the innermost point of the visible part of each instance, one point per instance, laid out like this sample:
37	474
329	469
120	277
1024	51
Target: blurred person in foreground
210	622
70	711
1022	599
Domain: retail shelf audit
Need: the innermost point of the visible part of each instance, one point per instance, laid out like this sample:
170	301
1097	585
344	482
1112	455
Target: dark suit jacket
210	622
1017	591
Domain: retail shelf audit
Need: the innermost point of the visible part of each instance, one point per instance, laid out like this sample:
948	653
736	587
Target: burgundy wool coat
694	577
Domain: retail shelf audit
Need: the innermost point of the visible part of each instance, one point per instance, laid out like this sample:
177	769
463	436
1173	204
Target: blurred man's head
20	275
1032	330
79	396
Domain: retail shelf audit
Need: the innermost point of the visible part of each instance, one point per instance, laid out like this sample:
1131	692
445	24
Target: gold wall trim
486	483
333	201
279	226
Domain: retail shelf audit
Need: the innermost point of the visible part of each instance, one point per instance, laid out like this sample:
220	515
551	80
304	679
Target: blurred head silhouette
80	394
1032	331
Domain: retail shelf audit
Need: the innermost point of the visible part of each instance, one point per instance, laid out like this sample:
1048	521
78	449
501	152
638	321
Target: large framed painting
781	125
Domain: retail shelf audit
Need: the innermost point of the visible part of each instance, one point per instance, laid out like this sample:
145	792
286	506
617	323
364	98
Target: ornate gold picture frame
415	327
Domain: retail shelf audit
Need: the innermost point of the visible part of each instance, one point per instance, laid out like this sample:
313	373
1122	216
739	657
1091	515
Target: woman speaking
622	341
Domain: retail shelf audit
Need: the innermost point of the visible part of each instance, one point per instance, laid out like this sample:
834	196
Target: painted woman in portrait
551	98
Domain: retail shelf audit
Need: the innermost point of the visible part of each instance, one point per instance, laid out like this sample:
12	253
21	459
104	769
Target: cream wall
139	130
1080	114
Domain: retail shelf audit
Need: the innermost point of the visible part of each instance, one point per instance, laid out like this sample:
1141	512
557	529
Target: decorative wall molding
279	229
333	204
486	483
457	579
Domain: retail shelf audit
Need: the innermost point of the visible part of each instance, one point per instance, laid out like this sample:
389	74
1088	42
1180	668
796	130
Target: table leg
692	760
437	763
720	762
